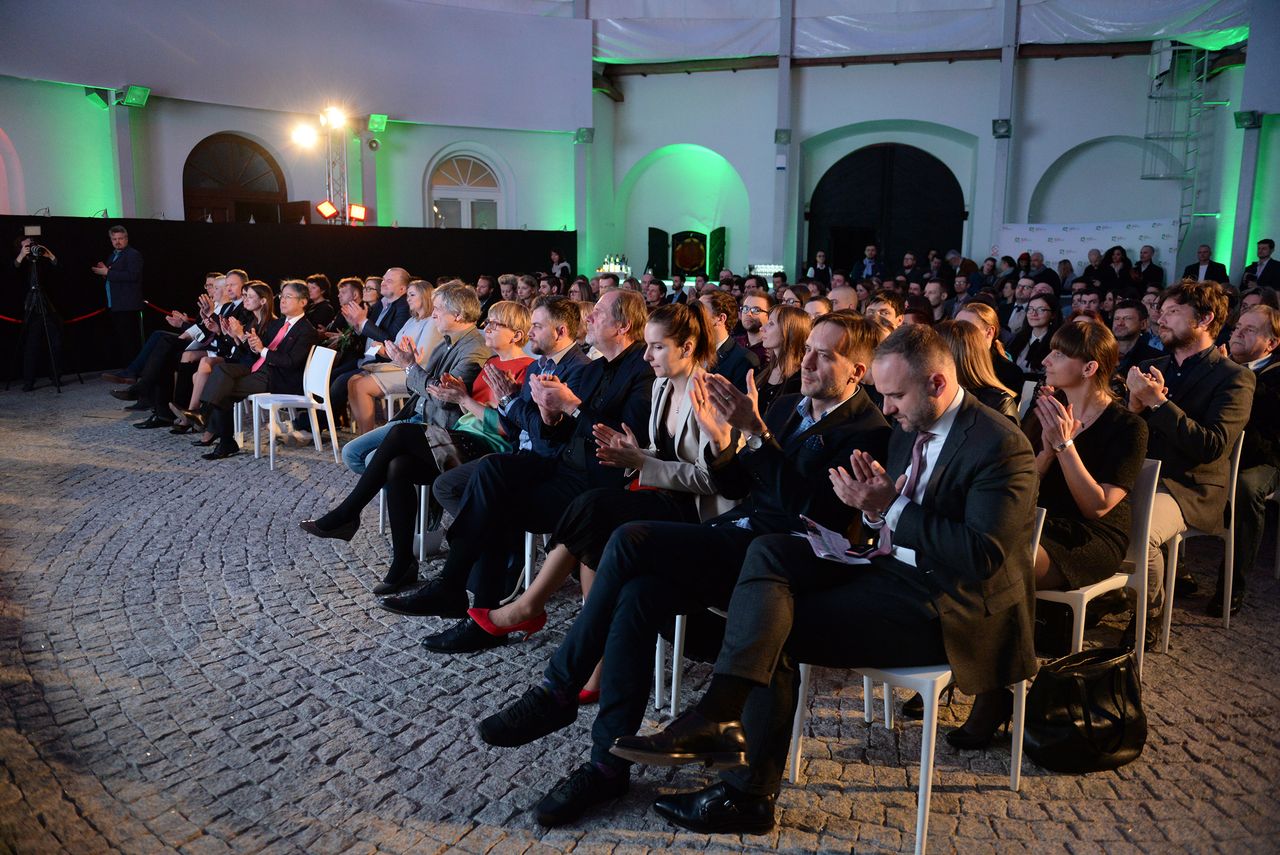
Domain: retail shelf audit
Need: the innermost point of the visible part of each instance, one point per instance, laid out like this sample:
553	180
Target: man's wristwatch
577	411
755	443
504	401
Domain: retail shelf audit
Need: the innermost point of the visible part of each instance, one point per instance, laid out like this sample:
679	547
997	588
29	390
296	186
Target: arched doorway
464	193
229	178
899	197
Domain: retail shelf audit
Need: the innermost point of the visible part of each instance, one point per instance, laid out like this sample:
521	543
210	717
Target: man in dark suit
1039	273
1129	323
283	347
1204	268
652	571
1266	270
510	494
1146	271
377	323
1254	342
732	359
869	266
123	275
1195	401
950	582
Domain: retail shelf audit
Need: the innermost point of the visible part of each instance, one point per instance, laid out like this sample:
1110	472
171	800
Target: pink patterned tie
885	544
275	342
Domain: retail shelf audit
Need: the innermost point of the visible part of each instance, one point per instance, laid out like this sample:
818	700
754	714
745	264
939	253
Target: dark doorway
896	196
228	179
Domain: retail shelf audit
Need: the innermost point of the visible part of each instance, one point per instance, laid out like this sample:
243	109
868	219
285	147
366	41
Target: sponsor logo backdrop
1073	241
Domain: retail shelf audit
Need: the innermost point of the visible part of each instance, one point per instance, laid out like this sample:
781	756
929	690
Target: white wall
59	153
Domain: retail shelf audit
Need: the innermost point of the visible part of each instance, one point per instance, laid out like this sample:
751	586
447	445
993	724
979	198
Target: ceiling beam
600	83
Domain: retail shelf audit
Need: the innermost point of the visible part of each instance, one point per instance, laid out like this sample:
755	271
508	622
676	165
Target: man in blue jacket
123	274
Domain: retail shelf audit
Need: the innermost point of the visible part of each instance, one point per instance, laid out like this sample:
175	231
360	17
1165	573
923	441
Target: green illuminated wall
1265	222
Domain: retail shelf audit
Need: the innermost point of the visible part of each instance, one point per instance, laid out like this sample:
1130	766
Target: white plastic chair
929	681
1140	501
394	402
1228	560
1027	398
314	398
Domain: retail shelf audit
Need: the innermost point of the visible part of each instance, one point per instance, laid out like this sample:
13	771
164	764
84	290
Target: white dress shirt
932	451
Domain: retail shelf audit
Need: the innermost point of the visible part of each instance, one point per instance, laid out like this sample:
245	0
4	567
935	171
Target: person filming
41	328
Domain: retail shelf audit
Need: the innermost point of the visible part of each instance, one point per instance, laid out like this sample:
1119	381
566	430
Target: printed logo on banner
1055	240
1035	229
1100	228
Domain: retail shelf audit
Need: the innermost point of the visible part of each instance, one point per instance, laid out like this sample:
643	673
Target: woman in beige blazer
671	482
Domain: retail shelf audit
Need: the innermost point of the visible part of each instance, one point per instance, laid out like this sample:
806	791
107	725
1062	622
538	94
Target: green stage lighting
135	96
377	122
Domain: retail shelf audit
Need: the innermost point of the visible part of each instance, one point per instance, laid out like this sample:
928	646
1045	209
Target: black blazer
125	276
1262	433
624	400
1035	356
971	536
1270	277
1215	272
390	326
1193	433
1007	373
285	364
1153	275
787	476
523	414
733	361
999	400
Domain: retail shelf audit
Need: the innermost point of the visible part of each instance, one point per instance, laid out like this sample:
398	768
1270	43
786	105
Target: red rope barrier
167	312
9	319
85	317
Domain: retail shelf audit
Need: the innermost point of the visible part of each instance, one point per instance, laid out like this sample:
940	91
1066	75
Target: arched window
464	193
229	178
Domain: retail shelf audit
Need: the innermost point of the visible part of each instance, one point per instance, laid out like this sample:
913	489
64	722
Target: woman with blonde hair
783	337
973	367
985	318
379	380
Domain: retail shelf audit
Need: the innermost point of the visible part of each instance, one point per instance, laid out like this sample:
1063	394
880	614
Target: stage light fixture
333	117
356	213
377	122
133	96
306	135
1001	129
327	209
97	97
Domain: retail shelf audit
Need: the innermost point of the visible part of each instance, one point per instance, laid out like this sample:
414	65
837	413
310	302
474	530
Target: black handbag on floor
1084	712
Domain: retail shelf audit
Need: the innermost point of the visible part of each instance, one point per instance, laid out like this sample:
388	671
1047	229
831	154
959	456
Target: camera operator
41	327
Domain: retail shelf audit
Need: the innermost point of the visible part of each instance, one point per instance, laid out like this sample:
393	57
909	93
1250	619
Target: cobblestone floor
170	685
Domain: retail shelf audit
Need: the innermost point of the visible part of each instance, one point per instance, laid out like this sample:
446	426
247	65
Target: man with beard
651	571
753	314
1129	324
1195	401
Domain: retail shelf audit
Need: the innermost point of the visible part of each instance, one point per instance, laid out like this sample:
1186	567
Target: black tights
403	461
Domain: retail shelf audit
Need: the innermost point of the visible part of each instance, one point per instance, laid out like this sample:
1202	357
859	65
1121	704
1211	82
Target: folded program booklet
833	546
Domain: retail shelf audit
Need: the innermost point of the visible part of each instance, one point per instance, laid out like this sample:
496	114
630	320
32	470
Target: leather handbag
1084	712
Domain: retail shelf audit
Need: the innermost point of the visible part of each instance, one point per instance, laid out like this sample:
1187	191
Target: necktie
885	544
275	342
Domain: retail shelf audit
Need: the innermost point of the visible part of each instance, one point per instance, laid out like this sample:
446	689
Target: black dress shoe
153	422
977	732
397	580
345	531
719	809
126	394
1187	586
138	406
181	429
1153	632
222	451
1214	607
536	714
465	636
583	789
431	600
690	738
913	707
204	443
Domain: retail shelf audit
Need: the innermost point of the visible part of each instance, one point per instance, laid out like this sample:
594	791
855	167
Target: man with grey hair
1146	271
1040	273
123	275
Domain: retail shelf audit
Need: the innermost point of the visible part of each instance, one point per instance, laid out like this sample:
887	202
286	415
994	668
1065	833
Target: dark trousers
135	367
230	382
508	494
403	461
790	606
451	486
155	381
126	334
1252	488
649	572
41	347
338	385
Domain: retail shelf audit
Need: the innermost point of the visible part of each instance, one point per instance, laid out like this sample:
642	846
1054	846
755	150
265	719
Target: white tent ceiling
659	30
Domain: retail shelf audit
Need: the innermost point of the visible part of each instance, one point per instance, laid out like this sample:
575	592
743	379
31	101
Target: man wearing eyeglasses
752	316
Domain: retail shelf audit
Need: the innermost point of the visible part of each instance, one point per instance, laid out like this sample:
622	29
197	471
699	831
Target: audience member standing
123	274
1204	268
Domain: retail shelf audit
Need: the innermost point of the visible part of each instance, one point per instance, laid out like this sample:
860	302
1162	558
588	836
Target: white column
1004	110
122	148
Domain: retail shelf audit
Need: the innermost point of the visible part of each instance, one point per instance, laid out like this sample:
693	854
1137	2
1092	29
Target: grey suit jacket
461	355
971	536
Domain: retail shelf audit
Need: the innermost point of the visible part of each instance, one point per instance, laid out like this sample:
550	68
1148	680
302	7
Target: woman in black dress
1089	452
783	338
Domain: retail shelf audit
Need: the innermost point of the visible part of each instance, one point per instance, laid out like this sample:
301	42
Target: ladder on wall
1175	108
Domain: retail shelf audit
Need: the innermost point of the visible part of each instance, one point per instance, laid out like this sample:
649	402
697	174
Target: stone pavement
170	684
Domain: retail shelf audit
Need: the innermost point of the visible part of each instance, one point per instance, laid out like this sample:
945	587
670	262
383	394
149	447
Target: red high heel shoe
588	696
528	627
